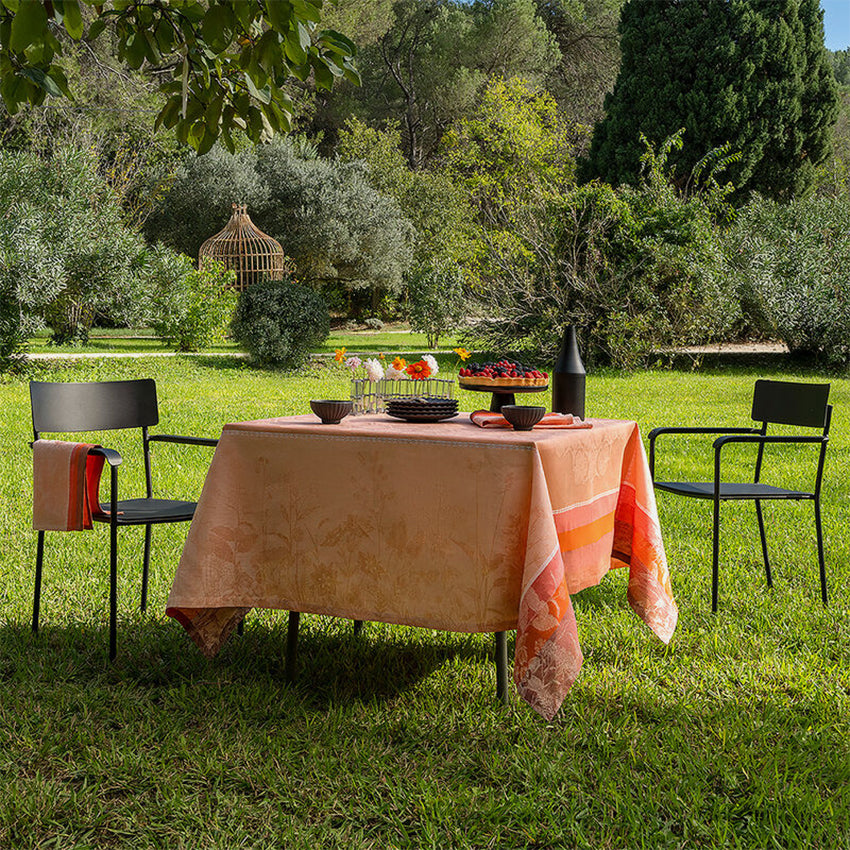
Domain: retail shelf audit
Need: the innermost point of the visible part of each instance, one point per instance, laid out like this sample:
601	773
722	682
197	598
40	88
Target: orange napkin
66	479
486	419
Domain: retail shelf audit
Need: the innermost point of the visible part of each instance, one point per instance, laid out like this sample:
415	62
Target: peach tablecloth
442	525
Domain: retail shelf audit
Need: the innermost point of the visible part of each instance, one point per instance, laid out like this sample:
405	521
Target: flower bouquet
373	382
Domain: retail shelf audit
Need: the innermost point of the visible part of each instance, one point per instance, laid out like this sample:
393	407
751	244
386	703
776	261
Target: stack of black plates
422	408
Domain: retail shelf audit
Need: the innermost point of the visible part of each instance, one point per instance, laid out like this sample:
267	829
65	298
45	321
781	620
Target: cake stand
502	395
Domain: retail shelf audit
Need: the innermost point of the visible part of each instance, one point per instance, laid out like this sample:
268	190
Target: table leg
292	645
358	625
502	667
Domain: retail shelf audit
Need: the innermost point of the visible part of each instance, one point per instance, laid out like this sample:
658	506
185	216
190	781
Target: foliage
91	261
28	280
753	75
839	61
633	269
436	301
437	205
430	68
512	156
278	322
586	34
793	266
224	66
191	309
327	216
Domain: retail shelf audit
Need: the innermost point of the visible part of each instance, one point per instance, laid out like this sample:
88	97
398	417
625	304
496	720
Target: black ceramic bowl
330	411
523	418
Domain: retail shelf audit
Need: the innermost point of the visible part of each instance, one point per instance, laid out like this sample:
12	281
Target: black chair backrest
788	403
93	406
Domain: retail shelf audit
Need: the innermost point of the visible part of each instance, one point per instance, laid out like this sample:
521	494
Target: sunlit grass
735	735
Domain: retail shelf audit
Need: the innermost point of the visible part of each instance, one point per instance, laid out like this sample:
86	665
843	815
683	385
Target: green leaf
133	49
98	25
218	27
324	77
294	51
39	78
279	15
73	19
263	95
12	5
29	26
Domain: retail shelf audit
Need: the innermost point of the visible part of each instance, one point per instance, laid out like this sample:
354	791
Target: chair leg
39	561
764	544
113	591
502	667
715	556
821	561
292	645
146	567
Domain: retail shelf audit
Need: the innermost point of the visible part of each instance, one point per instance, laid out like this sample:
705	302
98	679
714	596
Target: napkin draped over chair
66	480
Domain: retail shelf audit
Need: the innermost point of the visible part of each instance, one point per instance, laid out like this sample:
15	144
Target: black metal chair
59	408
777	403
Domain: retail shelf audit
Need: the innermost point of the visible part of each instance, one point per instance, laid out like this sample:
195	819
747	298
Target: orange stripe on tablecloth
571	539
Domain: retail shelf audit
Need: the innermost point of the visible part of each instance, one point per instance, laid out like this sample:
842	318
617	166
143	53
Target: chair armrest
765	438
188	441
112	457
657	432
760	439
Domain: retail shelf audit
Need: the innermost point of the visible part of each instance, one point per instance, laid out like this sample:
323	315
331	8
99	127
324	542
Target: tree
586	34
430	67
330	220
223	65
752	73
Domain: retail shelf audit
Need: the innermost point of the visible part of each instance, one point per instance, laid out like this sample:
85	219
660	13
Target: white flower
393	374
432	364
374	370
354	363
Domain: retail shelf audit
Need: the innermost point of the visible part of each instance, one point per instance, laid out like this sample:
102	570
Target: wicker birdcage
242	246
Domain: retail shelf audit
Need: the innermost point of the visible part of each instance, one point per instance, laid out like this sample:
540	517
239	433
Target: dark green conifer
753	73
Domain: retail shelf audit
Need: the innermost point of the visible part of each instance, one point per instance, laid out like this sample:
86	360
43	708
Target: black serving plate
424	416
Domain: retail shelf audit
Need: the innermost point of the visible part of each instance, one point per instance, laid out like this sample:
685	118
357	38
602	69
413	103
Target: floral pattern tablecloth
443	525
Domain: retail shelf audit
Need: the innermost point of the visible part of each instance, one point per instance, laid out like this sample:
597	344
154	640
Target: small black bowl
331	411
522	417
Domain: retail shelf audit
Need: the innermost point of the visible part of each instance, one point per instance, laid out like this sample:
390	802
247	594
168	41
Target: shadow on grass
333	664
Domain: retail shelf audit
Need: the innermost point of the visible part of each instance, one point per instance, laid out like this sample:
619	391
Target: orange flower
400	363
339	354
419	371
462	353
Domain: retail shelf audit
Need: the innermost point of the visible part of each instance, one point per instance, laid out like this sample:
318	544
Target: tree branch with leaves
226	65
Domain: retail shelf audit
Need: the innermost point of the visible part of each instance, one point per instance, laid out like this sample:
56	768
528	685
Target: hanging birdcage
243	247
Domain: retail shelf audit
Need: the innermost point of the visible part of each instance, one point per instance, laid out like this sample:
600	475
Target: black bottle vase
568	377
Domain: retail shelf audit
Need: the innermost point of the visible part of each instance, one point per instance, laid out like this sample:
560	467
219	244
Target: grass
395	338
735	735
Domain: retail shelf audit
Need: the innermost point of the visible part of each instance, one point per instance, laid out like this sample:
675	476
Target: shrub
633	269
88	261
373	323
436	300
278	322
793	264
192	309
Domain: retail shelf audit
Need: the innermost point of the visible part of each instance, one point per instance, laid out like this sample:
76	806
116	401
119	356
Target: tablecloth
442	525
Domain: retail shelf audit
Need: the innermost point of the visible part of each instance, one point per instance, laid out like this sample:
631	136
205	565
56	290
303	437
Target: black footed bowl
523	417
331	411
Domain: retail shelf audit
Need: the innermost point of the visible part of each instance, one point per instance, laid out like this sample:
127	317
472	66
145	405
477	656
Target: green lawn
396	338
737	734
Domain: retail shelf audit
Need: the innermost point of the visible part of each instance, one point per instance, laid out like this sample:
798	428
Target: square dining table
441	525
